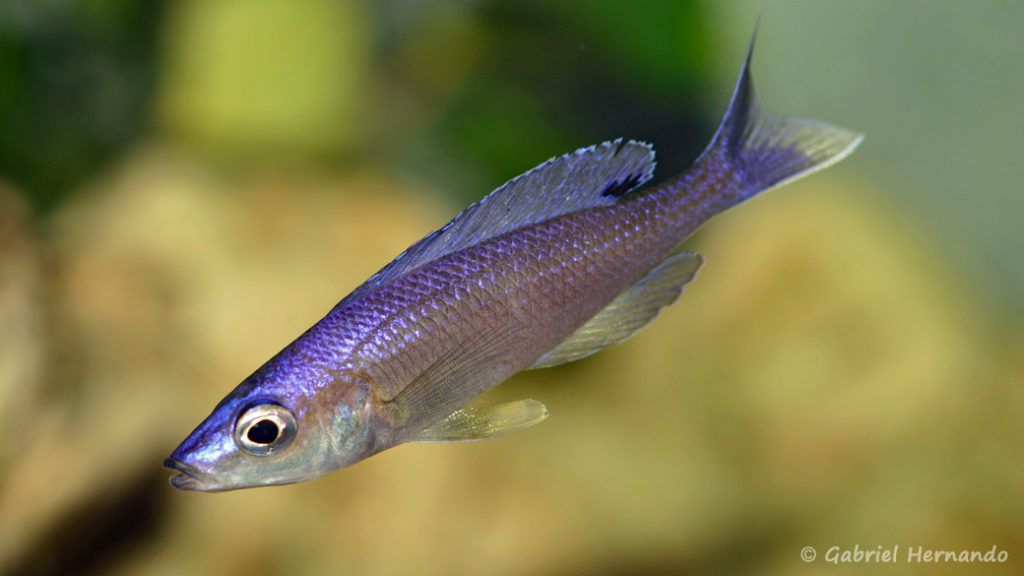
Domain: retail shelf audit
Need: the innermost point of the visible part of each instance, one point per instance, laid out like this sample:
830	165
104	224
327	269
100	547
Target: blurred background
186	185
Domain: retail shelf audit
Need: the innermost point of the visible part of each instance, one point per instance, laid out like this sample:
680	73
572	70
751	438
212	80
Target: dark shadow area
101	531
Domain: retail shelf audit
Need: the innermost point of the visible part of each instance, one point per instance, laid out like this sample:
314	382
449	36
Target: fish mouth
189	477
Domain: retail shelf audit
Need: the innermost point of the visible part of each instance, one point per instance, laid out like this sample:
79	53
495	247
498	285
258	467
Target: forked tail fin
767	150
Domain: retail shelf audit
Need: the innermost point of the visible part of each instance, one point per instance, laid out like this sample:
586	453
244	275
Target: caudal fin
768	150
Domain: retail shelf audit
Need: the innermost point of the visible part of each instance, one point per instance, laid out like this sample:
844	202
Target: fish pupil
263	432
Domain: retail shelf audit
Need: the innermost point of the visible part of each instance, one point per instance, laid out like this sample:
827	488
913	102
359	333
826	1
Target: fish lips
190	478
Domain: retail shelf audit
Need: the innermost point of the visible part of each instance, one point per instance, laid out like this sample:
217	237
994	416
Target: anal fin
629	312
479	421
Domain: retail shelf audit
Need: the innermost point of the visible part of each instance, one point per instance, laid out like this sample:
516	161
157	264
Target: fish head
276	431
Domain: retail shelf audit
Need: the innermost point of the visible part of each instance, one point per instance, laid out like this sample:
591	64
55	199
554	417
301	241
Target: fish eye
264	429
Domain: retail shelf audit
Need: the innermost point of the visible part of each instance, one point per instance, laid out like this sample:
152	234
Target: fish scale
535	273
571	257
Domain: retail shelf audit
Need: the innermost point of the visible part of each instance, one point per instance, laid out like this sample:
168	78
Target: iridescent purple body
567	259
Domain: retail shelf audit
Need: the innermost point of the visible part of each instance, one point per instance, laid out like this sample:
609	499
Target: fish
571	257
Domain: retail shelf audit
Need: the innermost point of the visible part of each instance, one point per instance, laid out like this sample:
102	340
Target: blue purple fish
571	257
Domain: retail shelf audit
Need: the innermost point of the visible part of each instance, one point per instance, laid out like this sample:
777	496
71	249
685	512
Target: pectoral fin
456	377
480	421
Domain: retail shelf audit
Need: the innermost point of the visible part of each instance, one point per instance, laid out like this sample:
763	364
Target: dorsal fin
589	177
629	312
